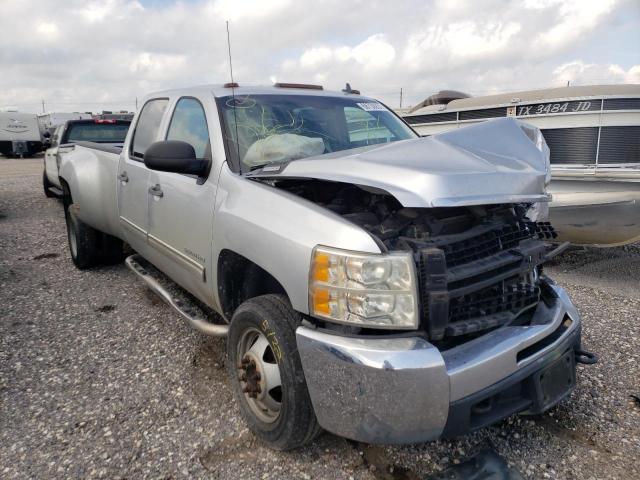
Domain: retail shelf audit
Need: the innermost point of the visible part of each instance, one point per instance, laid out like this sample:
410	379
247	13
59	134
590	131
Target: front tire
266	373
46	185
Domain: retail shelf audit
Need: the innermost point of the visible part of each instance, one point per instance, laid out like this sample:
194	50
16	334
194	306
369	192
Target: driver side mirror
174	156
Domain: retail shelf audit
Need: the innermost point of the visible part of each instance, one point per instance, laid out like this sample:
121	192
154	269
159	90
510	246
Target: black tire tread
94	247
278	306
46	185
281	303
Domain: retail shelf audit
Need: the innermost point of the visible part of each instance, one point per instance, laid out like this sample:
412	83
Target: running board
56	191
200	323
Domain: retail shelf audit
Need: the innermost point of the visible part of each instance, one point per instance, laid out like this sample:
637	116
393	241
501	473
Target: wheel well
240	279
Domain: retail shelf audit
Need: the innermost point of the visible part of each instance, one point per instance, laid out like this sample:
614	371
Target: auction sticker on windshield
371	106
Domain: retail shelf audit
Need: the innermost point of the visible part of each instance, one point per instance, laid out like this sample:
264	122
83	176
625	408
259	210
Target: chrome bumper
399	390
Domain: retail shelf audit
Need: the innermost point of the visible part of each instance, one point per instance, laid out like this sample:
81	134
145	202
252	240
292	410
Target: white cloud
89	54
238	9
374	52
452	44
315	57
49	30
578	72
574	18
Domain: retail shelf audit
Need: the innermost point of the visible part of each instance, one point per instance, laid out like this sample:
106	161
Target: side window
147	127
365	128
189	124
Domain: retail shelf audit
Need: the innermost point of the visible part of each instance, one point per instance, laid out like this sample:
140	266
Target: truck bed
90	170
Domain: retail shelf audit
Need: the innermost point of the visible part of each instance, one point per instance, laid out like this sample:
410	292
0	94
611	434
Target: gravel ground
98	378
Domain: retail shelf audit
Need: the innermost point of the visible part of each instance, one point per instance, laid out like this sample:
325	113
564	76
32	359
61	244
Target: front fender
278	231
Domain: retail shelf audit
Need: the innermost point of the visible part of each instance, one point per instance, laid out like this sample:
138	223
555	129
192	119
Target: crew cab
66	135
381	286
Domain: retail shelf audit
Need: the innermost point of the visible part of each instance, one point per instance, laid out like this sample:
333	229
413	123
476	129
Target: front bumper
404	390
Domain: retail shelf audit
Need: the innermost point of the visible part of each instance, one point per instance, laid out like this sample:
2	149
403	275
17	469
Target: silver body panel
399	390
91	177
492	162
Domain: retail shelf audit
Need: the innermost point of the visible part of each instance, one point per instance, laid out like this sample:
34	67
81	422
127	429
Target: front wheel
46	184
266	373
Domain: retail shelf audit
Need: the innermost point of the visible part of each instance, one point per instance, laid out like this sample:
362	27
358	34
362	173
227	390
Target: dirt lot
98	378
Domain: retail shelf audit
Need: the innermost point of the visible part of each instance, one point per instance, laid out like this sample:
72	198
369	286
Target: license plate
557	380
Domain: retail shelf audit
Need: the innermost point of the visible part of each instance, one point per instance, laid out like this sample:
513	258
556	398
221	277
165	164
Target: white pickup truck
381	286
64	138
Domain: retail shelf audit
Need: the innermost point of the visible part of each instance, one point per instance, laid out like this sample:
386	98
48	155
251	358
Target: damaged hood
489	163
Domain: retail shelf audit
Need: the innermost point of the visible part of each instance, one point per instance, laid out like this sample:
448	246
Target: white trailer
52	120
20	134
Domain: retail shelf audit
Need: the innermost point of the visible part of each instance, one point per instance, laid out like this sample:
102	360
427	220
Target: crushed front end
495	335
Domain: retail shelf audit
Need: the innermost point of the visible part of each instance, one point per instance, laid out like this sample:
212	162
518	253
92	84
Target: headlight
366	290
535	135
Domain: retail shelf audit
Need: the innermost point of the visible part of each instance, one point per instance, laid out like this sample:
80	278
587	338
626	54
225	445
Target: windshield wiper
272	167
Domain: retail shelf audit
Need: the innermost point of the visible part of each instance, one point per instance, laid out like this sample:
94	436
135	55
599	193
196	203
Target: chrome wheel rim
259	375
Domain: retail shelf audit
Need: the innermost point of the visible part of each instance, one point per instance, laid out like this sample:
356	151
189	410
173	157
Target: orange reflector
321	300
321	267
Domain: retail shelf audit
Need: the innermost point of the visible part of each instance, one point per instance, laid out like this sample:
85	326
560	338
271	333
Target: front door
181	208
133	176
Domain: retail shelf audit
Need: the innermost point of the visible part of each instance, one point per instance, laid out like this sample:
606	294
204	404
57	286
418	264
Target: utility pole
400	97
43	106
136	104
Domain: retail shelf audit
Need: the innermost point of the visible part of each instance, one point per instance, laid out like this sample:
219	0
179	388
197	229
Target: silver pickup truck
381	286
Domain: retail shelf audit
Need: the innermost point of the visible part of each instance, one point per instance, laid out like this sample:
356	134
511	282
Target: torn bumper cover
404	390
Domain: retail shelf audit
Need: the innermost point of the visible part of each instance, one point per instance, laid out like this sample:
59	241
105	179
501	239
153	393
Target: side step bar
196	321
56	191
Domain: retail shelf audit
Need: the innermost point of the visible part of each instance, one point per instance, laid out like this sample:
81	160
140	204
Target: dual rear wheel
88	246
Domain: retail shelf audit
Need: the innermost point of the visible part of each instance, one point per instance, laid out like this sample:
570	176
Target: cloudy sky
93	55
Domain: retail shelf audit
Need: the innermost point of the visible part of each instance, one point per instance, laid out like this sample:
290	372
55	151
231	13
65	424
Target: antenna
233	94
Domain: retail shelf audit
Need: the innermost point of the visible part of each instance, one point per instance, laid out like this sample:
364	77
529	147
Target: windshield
97	132
264	129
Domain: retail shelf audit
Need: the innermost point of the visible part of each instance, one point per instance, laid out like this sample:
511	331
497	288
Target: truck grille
482	278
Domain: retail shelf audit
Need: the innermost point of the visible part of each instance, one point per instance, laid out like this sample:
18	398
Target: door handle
123	177
156	191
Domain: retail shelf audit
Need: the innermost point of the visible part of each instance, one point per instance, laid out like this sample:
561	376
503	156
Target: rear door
133	176
181	211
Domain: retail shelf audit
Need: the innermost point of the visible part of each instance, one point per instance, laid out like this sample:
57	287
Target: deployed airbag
282	148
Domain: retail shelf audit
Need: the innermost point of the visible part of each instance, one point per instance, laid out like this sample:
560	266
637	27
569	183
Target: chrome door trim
133	226
177	256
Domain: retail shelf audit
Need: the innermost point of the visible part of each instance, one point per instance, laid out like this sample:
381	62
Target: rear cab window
365	129
146	130
97	131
